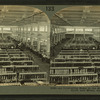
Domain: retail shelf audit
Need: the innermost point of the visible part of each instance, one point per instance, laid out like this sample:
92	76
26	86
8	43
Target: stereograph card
49	49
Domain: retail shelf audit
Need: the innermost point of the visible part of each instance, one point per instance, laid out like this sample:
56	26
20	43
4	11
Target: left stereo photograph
24	45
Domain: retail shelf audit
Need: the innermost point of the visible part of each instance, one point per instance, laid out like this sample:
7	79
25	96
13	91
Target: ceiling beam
63	20
23	19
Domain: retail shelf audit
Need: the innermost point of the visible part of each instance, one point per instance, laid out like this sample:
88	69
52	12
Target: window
21	29
29	29
46	29
36	29
70	29
33	29
88	29
8	28
41	28
79	29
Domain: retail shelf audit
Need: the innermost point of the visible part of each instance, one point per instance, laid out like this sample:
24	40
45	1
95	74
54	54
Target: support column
38	46
31	37
48	47
54	38
38	38
19	30
23	34
84	32
74	32
63	35
48	41
2	31
99	34
59	37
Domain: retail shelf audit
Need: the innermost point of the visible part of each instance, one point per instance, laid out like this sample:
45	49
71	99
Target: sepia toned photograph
24	45
52	51
75	46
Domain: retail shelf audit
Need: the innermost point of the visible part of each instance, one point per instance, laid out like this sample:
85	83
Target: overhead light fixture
28	38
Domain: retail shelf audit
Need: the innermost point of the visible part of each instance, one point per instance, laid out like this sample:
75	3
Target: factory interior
75	45
24	44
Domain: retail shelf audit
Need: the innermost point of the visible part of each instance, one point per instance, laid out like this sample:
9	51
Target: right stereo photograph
75	45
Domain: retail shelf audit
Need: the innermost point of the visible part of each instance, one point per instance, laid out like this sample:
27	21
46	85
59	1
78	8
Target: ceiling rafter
66	21
27	17
75	15
15	14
